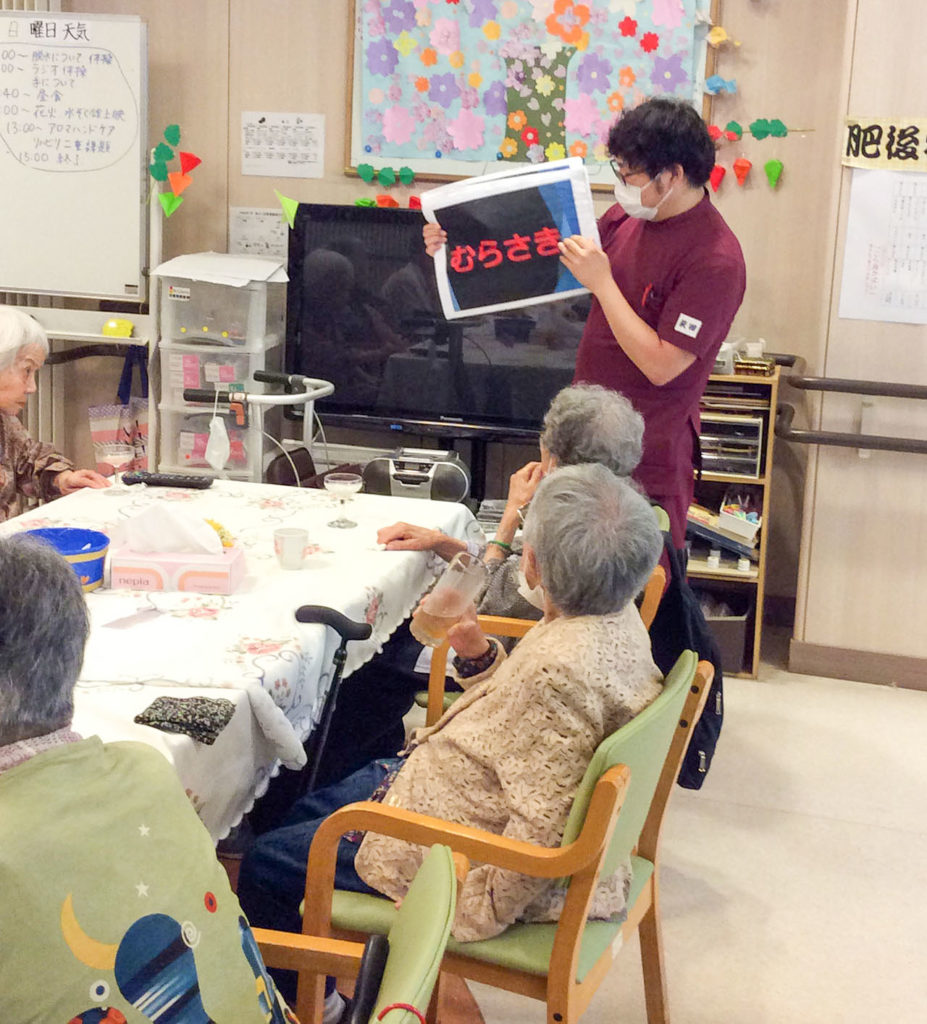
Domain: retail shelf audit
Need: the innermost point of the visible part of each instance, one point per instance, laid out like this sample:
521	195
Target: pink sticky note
191	371
226	374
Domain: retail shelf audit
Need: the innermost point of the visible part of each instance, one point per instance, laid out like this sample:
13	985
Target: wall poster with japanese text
451	87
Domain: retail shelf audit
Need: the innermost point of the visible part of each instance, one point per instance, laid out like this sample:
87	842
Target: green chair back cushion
418	933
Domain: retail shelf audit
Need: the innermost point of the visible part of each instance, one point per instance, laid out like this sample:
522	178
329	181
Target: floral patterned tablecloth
248	645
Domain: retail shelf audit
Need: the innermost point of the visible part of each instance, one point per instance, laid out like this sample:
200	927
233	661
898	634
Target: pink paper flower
466	130
398	125
581	114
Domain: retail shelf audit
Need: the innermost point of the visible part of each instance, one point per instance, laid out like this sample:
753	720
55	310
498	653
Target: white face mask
533	595
218	446
629	198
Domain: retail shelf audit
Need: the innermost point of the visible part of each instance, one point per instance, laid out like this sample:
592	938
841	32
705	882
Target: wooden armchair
415	945
562	964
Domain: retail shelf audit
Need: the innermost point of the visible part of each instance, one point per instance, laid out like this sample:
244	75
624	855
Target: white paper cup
290	544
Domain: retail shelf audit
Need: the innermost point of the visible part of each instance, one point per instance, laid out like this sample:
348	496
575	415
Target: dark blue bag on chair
679	625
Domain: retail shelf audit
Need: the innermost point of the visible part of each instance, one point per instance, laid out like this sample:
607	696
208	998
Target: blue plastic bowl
84	549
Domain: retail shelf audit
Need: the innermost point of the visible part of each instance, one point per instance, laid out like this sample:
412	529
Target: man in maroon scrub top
666	284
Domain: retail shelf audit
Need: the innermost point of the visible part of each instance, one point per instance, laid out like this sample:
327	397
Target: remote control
142	476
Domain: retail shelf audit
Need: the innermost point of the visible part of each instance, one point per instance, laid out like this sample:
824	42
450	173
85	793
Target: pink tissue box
181	570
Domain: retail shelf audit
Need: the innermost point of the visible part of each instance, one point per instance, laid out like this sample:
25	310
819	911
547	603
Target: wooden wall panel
865	542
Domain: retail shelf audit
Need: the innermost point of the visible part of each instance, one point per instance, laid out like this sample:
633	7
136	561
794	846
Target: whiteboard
73	154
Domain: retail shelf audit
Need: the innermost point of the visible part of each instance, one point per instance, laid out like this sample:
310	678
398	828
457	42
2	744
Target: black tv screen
363	312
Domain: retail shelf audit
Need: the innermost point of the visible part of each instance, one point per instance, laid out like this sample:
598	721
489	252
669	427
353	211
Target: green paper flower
172	134
387	177
158	171
163	153
735	127
759	129
366	172
777	129
406	175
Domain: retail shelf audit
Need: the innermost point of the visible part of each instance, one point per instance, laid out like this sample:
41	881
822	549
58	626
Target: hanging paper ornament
718	35
188	161
714	132
406	175
387	201
179	181
158	170
169	202
777	129
415	203
163	153
366	172
759	128
716	176
741	169
288	206
733	131
715	84
386	177
773	169
172	134
365	201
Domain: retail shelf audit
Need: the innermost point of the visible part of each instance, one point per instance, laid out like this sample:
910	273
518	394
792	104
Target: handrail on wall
873	442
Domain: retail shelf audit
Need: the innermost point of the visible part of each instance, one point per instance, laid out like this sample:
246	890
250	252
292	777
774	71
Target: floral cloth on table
250	641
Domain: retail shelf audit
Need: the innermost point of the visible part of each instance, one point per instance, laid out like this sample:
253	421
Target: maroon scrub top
685	277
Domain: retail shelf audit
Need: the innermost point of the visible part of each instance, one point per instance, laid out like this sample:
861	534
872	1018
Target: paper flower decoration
717	176
733	130
741	169
715	84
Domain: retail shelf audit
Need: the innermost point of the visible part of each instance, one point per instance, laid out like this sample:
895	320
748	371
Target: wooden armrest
476	844
294	951
504	625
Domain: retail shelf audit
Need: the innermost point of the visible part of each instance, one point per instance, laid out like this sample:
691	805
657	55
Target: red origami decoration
717	176
741	169
188	161
715	132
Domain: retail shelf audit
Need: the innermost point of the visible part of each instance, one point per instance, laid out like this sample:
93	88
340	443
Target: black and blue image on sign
503	248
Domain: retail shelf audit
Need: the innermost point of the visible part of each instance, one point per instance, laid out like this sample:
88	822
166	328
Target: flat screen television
363	312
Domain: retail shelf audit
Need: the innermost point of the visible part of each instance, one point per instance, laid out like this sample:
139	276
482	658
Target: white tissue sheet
168	528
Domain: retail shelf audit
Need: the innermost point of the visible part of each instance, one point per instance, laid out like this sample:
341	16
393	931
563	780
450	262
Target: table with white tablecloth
246	647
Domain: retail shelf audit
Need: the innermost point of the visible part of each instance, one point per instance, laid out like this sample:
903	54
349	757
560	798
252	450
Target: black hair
661	133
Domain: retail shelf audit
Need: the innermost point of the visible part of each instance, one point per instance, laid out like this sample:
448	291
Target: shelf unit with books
739	415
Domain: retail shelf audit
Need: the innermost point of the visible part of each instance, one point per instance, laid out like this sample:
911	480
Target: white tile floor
795	882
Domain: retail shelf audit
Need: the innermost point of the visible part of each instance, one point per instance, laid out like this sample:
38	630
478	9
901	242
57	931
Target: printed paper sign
502	237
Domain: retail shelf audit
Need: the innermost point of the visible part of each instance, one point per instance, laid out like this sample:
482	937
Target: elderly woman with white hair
509	754
585	423
28	468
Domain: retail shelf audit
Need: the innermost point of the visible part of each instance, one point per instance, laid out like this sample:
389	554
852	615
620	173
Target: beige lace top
508	756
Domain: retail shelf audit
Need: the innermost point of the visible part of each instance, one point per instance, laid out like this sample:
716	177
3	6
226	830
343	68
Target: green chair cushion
522	947
421	698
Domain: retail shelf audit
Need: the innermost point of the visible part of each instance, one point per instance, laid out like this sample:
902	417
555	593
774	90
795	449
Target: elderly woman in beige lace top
510	753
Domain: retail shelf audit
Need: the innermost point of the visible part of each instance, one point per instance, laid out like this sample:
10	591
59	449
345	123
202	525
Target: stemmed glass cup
344	486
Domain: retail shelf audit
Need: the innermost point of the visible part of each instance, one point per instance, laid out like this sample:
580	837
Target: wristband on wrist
501	544
467	667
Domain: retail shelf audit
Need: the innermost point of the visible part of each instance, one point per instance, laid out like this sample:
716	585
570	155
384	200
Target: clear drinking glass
458	587
344	486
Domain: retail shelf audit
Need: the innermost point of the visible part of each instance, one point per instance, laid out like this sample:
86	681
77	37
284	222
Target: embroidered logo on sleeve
688	325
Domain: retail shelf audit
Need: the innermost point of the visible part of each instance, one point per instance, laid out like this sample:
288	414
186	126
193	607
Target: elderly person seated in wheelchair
108	880
509	754
28	468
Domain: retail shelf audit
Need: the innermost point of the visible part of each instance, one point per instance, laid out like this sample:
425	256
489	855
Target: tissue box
180	570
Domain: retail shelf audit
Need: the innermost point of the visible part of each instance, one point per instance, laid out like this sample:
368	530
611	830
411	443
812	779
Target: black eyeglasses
623	175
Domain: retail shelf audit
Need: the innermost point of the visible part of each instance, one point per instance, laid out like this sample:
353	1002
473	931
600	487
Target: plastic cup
462	581
290	545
